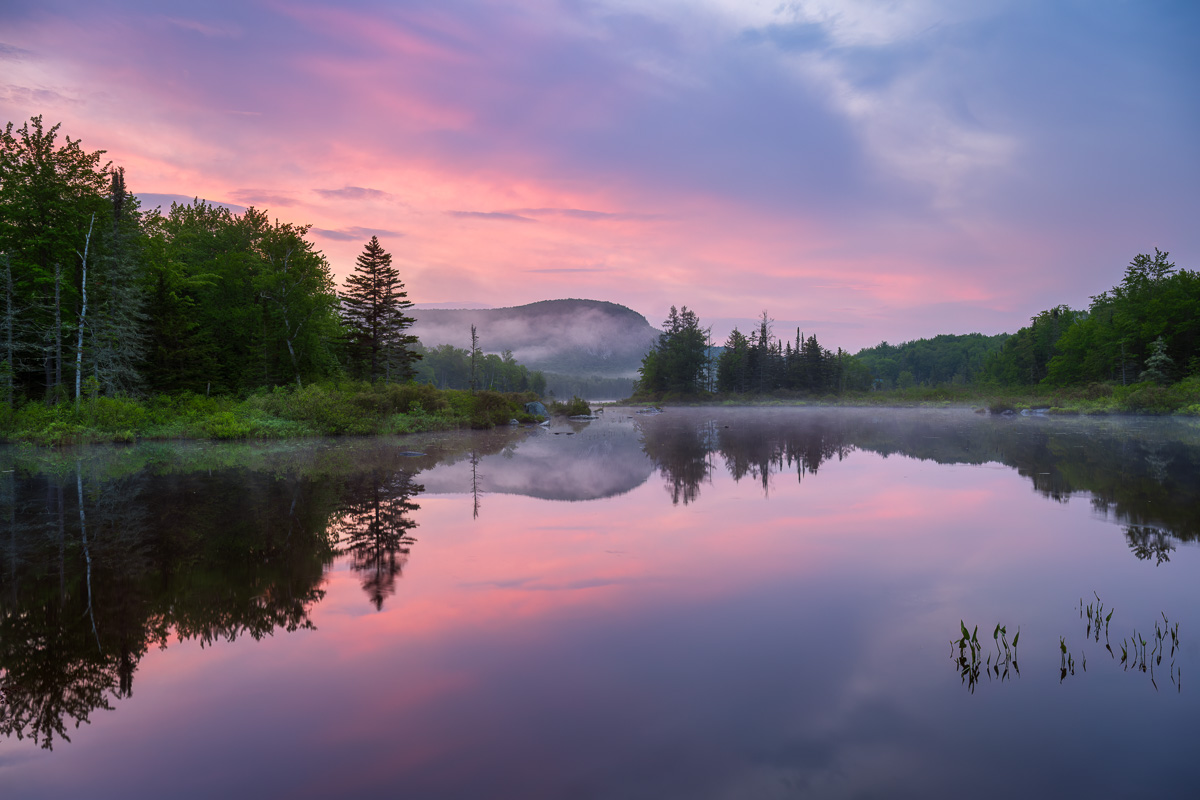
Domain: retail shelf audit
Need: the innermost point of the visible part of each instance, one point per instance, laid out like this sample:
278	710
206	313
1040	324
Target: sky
863	170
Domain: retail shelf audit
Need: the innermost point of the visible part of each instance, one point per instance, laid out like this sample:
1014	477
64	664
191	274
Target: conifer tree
373	306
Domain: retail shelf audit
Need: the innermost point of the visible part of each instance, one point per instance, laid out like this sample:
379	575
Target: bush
575	408
224	425
113	414
491	409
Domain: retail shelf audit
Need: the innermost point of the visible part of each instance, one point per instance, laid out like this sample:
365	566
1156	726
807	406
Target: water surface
704	603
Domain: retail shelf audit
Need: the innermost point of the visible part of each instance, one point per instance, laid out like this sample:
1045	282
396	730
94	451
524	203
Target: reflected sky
782	641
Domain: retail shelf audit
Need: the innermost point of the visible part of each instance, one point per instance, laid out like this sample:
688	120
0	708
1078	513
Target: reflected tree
1147	543
97	569
374	526
682	453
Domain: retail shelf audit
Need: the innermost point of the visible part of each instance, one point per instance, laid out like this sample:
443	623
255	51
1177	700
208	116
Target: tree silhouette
374	526
373	306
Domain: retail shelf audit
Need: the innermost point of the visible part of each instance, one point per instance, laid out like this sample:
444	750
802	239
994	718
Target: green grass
317	410
1095	399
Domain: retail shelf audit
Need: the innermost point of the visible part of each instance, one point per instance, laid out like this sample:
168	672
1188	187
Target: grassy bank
1093	399
315	410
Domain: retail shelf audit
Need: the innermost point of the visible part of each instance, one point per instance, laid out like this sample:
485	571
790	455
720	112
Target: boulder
536	409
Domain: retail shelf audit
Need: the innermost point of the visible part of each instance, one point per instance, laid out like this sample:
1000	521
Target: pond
702	603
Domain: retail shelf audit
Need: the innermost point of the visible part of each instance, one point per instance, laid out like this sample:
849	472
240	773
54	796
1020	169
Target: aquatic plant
971	662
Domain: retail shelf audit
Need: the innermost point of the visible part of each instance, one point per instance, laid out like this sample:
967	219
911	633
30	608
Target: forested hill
572	337
943	359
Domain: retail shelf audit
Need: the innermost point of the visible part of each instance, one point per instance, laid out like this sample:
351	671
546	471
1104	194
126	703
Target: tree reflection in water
749	447
1145	476
97	569
373	527
1147	543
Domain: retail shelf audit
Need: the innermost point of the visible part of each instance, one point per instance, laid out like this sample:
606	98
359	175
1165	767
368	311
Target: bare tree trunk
87	554
82	316
57	326
474	353
292	353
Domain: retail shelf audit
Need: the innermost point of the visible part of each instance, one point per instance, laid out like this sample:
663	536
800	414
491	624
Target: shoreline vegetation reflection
112	550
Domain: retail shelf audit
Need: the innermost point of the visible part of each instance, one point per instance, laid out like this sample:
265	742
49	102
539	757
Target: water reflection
1145	472
97	568
373	526
110	552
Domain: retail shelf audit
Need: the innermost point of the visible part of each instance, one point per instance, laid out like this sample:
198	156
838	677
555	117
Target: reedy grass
284	412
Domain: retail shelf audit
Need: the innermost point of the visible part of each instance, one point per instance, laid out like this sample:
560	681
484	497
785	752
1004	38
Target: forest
103	297
1135	349
201	321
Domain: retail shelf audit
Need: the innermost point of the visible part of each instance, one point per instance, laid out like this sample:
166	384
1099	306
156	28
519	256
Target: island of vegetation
118	323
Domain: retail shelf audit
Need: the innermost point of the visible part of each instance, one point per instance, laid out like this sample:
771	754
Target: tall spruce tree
373	306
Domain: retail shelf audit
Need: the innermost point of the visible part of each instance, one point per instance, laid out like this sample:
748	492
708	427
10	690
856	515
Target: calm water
701	604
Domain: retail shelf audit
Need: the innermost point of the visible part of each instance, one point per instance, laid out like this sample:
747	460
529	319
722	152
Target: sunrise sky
865	170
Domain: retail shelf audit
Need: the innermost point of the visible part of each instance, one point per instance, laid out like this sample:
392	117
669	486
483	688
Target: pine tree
373	306
1159	365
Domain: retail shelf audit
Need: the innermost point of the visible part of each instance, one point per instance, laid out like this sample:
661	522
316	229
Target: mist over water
702	603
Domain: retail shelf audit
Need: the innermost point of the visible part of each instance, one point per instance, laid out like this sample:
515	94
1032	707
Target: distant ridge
571	336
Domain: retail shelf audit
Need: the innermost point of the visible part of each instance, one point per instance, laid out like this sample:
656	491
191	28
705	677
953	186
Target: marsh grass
1093	399
338	409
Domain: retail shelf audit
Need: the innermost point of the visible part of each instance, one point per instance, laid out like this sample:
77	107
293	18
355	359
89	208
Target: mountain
571	337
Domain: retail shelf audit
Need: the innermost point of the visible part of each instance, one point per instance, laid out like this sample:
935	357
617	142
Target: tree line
1146	328
99	296
685	362
448	367
944	359
1143	330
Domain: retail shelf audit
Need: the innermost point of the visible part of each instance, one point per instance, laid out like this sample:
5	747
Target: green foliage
678	363
575	407
1025	358
449	367
942	359
285	411
761	364
373	306
1159	366
1150	314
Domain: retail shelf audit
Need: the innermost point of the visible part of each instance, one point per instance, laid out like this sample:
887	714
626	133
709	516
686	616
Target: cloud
261	197
164	201
354	234
220	29
13	53
801	156
353	193
493	215
37	98
561	270
584	214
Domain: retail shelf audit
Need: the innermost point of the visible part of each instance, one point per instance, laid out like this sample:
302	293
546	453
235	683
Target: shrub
575	408
224	425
